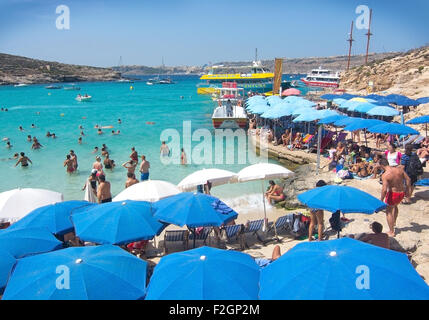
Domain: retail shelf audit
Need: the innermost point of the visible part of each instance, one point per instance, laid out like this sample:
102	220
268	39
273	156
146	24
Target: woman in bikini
69	163
276	194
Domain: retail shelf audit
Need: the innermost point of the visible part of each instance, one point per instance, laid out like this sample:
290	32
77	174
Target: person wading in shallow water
23	160
103	193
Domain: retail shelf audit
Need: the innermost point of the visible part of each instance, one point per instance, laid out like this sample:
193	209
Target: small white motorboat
83	98
20	85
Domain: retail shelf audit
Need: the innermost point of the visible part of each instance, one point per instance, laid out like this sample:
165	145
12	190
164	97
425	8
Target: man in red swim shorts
396	185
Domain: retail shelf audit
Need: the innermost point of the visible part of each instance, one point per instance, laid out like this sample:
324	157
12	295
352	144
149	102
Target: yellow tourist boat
252	78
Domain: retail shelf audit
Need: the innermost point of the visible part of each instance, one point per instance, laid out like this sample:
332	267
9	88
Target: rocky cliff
15	69
407	73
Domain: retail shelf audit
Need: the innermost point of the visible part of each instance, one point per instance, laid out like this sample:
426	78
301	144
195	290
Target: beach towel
355	176
90	196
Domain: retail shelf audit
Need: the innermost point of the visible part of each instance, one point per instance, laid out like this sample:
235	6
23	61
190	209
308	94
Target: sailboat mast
369	34
350	40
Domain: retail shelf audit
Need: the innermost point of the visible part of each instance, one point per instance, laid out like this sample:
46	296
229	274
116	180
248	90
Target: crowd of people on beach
353	159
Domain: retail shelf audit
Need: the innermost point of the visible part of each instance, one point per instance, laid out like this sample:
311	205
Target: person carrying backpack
412	167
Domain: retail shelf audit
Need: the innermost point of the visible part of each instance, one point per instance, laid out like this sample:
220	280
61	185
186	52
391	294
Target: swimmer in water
119	121
130	166
36	145
104	152
81	133
23	160
21	128
79	140
73	157
108	163
98	165
164	150
100	132
33	126
69	163
134	155
95	150
48	134
8	145
29	138
54	136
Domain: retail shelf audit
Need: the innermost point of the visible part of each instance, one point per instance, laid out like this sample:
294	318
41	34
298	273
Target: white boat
125	80
21	85
71	88
322	78
235	119
83	98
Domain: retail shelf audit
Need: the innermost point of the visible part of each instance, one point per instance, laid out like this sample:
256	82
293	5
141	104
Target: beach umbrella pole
319	141
264	227
366	140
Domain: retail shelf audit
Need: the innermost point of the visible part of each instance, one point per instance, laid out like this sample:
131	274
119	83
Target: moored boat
322	78
71	88
229	113
54	87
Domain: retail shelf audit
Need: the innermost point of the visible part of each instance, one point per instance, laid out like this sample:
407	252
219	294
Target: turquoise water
58	112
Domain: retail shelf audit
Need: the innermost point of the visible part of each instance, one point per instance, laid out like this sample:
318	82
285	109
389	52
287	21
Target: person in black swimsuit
24	160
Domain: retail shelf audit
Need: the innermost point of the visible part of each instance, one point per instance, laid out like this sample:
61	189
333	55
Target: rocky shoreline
15	70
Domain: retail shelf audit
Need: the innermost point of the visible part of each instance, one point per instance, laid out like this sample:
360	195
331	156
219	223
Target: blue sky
195	32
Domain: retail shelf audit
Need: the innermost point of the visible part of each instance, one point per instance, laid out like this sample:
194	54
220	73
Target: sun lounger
418	141
234	233
176	236
253	227
407	141
202	236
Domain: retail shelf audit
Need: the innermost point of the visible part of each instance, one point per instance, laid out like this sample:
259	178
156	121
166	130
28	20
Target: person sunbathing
270	136
377	238
423	152
286	138
341	150
270	188
263	262
374	168
276	194
137	248
297	141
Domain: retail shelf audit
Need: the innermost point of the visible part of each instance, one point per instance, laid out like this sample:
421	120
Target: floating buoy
131	87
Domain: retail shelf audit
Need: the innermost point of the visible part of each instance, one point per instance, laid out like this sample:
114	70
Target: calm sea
57	111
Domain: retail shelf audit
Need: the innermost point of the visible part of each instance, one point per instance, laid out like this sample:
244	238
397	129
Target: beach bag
414	167
335	222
